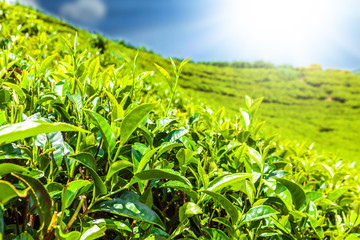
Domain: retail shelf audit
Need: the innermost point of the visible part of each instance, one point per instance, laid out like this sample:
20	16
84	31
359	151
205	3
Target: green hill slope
92	146
307	103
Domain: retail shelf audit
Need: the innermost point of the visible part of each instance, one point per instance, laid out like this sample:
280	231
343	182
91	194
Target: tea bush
93	147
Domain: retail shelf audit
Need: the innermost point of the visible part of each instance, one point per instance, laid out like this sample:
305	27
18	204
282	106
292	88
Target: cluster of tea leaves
93	147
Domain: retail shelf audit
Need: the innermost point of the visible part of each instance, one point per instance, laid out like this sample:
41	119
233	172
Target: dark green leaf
112	224
86	158
227	205
2	222
8	192
41	198
162	174
216	234
175	135
131	209
99	184
105	130
297	193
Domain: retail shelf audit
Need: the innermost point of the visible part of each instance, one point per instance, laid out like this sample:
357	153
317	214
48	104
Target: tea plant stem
78	143
73	218
117	152
260	184
17	220
26	213
133	69
173	95
133	86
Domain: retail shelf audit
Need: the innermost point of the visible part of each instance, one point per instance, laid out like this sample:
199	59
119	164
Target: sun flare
271	27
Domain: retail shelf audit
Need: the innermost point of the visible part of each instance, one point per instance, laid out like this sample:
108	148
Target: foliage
101	149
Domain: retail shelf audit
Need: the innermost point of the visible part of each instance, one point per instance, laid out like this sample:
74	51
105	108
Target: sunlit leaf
259	212
13	132
133	119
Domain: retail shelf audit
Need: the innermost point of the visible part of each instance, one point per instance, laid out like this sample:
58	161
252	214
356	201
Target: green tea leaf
2	222
100	187
227	180
297	192
216	234
255	155
145	159
175	135
259	212
111	224
188	210
85	158
93	68
41	198
94	232
183	63
280	191
13	132
167	147
72	190
162	71
46	63
132	120
116	167
105	130
227	205
57	142
184	156
17	89
131	209
117	110
6	168
162	174
8	191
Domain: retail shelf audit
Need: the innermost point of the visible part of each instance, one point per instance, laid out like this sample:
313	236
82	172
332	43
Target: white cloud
84	10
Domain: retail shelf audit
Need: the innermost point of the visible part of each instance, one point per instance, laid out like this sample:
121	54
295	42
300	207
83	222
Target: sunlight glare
274	26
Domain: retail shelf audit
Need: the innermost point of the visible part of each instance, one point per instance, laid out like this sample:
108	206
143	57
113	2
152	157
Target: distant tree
315	66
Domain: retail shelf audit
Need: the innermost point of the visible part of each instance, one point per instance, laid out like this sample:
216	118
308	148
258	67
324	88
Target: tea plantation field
303	104
100	140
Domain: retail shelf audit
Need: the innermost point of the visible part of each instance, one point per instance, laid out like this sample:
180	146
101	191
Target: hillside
305	104
99	142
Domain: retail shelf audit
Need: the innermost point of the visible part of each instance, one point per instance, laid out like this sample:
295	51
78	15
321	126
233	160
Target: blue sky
280	31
